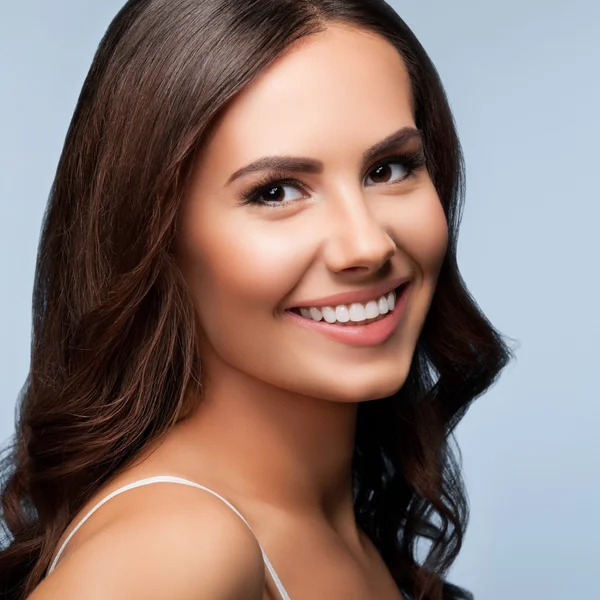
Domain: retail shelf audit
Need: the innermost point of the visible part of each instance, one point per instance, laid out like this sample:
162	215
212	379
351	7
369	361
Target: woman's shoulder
160	540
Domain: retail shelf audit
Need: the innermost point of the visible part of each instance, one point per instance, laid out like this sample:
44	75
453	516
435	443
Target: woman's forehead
342	88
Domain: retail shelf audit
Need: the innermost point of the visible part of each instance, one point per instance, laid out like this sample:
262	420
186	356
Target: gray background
522	79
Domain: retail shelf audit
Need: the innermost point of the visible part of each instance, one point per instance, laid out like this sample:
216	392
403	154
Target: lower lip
372	334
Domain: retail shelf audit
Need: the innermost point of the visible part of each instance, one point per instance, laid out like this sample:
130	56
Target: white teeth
356	312
391	298
371	309
342	314
315	314
383	305
329	314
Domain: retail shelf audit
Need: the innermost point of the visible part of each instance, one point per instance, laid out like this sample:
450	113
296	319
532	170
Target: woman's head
149	266
347	227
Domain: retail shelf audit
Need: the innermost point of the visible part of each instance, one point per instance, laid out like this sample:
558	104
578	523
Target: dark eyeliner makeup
272	180
411	162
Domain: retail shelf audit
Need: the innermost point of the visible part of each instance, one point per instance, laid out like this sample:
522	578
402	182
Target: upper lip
372	293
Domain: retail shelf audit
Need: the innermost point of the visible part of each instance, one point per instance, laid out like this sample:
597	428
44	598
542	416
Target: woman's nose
354	238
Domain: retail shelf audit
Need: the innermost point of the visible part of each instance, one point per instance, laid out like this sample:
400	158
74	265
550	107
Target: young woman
251	339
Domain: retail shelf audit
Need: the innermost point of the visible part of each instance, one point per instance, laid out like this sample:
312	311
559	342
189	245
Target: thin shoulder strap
171	479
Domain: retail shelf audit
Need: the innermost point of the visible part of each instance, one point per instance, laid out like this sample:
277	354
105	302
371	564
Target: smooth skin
274	431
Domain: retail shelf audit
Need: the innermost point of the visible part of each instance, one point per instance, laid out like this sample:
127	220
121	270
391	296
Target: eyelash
412	162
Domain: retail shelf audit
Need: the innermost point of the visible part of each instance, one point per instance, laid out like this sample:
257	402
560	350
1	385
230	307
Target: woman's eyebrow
301	164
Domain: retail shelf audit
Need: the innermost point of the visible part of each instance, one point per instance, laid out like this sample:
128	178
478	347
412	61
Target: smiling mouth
398	292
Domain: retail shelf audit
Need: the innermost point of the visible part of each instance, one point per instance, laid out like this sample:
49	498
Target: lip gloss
370	334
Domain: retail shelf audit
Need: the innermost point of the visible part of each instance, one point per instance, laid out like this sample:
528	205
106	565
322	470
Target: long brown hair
113	348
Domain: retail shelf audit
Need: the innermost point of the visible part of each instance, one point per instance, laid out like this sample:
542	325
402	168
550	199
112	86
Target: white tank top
170	479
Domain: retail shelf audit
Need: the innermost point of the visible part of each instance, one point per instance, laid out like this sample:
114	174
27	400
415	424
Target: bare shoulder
171	541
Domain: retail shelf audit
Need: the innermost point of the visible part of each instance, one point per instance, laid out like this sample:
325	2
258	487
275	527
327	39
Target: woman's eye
383	172
275	194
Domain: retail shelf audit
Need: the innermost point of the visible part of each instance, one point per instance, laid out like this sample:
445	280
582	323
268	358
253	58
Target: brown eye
384	172
274	193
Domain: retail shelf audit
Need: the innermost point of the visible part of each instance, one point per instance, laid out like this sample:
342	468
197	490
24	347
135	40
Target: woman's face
348	226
